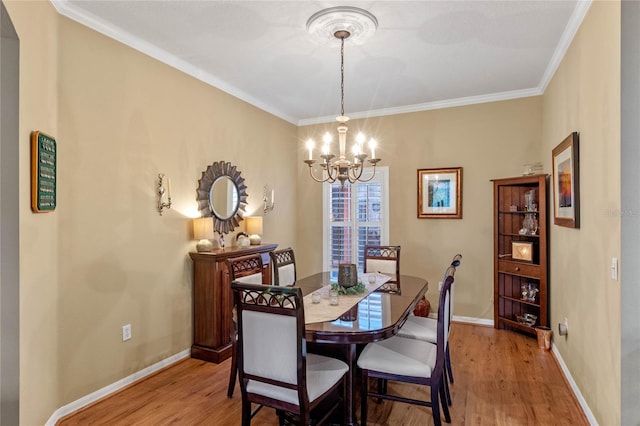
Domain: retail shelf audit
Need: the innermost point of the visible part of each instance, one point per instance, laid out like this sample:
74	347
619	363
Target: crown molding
569	33
116	33
126	38
449	103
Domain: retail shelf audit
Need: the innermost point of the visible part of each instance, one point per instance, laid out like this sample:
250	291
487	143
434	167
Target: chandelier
342	23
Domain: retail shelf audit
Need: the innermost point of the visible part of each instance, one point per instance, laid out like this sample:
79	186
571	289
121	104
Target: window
354	216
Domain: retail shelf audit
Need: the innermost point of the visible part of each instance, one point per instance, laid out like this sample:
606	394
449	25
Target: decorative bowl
527	319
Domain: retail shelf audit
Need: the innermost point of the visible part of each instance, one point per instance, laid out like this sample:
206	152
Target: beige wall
584	96
37	26
105	257
491	140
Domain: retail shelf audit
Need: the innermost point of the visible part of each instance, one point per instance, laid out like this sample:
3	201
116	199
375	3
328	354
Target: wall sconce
203	231
161	191
254	229
268	203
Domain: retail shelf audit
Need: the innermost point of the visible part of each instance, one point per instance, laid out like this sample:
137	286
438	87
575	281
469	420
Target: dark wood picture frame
566	182
440	193
44	172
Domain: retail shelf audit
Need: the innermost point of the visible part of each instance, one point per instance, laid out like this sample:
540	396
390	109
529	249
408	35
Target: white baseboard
466	320
114	387
574	387
107	390
472	320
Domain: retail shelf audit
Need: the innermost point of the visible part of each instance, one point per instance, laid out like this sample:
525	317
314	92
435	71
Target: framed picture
440	193
522	251
566	183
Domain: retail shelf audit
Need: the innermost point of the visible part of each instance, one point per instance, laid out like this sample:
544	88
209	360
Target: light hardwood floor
501	378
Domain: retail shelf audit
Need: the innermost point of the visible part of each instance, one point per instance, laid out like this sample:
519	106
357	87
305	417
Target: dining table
376	316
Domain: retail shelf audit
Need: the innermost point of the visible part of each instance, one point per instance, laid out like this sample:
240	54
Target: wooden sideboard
213	301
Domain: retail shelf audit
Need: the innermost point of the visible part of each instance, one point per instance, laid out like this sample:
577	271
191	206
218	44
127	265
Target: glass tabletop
377	316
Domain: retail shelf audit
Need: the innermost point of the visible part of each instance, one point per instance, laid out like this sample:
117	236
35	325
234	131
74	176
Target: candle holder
268	204
161	193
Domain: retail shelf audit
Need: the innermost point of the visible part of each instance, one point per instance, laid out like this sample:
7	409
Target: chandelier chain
342	76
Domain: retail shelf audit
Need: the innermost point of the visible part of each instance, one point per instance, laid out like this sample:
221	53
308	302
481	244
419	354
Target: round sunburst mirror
222	195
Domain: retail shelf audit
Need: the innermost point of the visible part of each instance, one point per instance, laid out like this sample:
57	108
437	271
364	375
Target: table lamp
203	231
254	229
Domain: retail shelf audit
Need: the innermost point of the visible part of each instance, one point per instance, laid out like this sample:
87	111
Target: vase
347	275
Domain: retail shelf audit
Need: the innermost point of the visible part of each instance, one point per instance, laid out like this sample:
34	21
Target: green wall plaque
43	172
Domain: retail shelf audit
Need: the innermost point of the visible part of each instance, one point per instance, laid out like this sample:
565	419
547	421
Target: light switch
614	268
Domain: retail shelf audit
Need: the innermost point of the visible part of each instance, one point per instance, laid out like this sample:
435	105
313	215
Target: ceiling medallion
360	24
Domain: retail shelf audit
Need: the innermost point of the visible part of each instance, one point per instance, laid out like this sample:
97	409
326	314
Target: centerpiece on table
348	280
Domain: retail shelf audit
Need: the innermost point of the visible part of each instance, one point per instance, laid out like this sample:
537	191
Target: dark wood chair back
383	259
247	269
271	350
283	263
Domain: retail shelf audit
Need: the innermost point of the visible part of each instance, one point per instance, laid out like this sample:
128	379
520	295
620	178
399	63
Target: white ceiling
424	54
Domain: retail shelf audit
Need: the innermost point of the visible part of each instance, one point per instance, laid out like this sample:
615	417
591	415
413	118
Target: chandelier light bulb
310	148
372	147
327	138
360	138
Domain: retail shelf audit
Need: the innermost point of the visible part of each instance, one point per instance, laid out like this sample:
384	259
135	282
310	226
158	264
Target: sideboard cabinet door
213	301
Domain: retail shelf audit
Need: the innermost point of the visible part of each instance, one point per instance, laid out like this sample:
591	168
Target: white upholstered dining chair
426	329
273	364
283	263
248	270
401	359
383	259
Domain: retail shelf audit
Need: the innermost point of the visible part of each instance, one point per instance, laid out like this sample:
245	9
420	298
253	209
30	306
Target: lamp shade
254	229
203	231
254	225
203	228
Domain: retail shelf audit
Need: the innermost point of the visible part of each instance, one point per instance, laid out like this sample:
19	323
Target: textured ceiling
424	54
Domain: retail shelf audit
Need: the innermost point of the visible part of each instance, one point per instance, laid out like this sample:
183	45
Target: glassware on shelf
529	292
529	225
532	291
529	200
527	319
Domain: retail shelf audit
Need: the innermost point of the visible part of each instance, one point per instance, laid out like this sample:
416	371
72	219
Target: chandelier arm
373	174
315	178
353	177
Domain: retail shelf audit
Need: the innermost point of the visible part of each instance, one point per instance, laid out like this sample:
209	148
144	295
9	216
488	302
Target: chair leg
246	413
445	382
435	404
344	400
448	364
443	397
234	370
364	395
382	389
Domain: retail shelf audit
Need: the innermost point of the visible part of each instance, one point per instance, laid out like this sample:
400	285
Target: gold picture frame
522	251
440	193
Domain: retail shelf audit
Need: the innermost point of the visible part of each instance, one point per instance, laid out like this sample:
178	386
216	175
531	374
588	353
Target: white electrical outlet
126	332
614	268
